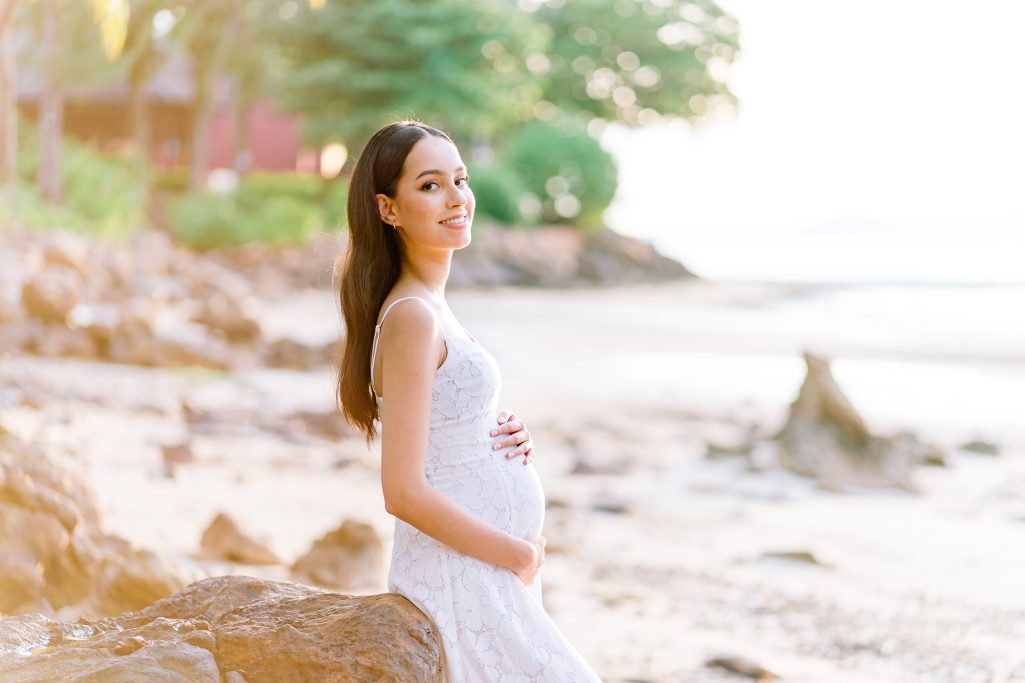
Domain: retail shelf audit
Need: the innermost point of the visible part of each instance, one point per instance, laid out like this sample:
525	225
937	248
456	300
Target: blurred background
752	272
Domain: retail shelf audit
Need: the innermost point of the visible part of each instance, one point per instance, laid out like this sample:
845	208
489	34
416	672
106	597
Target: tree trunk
242	156
206	73
138	108
51	108
8	106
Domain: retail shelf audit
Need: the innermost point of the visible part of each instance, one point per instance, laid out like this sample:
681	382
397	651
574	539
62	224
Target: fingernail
496	446
494	432
507	456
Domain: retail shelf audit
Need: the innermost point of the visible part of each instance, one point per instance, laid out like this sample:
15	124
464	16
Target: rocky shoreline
147	301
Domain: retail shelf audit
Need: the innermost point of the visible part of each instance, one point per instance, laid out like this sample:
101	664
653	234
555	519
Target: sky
889	131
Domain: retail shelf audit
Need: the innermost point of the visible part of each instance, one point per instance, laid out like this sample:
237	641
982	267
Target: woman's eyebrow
436	171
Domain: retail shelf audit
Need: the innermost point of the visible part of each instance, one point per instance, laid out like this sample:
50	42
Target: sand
658	561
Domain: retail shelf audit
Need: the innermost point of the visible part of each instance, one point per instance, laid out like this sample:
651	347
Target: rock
293	355
67	250
60	341
174	455
51	295
980	447
351	556
231	628
56	556
611	258
558	256
743	667
612	505
582	466
794	556
717	451
825	438
328	425
226	315
224	540
135	343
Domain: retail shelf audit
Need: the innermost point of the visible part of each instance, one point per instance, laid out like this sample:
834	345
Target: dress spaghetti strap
377	335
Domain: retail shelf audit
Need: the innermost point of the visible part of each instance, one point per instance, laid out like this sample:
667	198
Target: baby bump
502	492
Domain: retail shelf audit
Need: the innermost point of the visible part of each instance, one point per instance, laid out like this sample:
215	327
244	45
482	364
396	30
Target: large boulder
55	555
825	438
231	628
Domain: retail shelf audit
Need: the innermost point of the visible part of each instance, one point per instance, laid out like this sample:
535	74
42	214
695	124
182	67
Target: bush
572	178
260	185
103	195
266	208
498	190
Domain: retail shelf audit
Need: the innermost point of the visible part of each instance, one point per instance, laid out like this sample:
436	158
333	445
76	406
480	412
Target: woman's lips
455	222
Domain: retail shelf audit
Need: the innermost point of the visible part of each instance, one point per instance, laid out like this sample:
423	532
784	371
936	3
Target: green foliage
357	66
258	185
568	173
103	195
265	208
614	59
498	191
497	70
175	179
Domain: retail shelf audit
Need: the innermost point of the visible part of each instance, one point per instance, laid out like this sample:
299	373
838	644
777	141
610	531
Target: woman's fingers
522	449
514	439
514	424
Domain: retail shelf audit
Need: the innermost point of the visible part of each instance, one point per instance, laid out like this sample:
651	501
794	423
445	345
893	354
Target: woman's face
433	204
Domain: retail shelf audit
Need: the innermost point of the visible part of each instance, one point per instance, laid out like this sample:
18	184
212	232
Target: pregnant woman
469	510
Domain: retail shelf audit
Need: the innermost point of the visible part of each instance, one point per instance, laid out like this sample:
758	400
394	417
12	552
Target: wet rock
742	667
351	556
825	438
231	628
55	555
225	540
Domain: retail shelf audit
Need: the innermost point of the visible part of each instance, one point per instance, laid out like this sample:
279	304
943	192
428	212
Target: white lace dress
493	627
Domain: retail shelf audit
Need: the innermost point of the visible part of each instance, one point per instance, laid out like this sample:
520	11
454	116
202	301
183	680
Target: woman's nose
457	197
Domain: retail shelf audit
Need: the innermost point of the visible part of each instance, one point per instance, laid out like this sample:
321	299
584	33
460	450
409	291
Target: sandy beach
660	557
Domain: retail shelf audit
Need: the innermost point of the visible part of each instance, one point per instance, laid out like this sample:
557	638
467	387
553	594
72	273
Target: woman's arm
411	343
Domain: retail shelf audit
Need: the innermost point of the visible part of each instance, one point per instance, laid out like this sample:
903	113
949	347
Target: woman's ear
386	209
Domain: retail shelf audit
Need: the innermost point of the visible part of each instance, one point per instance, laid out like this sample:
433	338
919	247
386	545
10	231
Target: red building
269	141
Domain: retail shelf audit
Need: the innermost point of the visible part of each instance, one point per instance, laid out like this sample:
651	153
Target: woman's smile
457	222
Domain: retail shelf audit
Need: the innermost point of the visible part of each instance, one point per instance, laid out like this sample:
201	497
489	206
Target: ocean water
947	359
847	251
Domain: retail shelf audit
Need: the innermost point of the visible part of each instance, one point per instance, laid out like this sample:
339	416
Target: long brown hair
372	263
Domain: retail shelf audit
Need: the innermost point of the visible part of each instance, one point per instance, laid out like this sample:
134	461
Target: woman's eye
465	180
427	186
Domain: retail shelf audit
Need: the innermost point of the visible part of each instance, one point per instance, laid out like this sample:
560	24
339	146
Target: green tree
635	60
355	66
567	175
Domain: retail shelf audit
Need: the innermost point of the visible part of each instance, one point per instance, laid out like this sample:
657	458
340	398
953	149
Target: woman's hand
534	557
513	432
